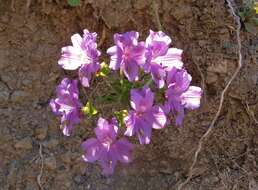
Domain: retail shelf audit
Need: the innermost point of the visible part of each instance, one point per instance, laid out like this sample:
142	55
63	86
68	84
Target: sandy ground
31	38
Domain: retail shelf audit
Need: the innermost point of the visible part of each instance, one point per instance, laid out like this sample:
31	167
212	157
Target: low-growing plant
248	14
151	83
73	2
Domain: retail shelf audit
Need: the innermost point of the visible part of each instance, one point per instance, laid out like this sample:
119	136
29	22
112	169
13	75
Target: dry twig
28	4
156	14
41	168
222	97
13	5
103	36
251	113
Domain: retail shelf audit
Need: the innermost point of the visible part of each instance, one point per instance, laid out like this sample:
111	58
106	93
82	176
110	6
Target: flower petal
93	150
115	57
70	58
143	130
142	100
76	41
85	73
105	130
129	123
158	75
158	118
123	149
171	59
131	69
159	37
191	98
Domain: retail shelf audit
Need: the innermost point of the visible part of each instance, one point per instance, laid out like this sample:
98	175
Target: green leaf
242	16
89	110
74	3
120	115
104	70
250	27
255	20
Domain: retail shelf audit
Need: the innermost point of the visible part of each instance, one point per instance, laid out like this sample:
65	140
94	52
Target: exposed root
251	113
222	97
156	14
41	168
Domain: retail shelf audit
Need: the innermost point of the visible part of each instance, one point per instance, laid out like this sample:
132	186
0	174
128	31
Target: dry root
222	97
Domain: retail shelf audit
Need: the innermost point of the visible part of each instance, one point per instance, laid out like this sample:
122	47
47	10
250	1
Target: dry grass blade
41	168
222	97
156	14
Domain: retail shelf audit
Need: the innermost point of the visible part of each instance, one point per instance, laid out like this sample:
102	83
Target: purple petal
191	98
70	58
180	114
159	37
123	149
83	51
68	120
55	107
171	59
131	70
129	123
76	41
93	150
88	36
143	130
158	49
115	57
158	118
138	53
142	100
166	107
128	38
108	162
178	81
158	75
178	111
85	73
105	131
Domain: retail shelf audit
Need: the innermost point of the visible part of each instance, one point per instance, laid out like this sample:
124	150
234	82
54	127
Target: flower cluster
135	60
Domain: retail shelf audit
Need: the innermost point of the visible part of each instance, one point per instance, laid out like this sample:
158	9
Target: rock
78	179
4	92
211	78
25	143
220	67
66	158
19	96
4	54
141	4
41	133
52	143
50	162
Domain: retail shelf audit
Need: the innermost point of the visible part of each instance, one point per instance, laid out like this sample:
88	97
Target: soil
31	36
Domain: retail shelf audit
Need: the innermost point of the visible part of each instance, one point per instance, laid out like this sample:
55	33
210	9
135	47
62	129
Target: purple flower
127	54
67	105
160	58
83	55
180	94
106	148
144	115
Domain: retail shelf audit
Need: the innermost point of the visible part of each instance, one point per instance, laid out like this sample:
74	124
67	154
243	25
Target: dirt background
31	36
